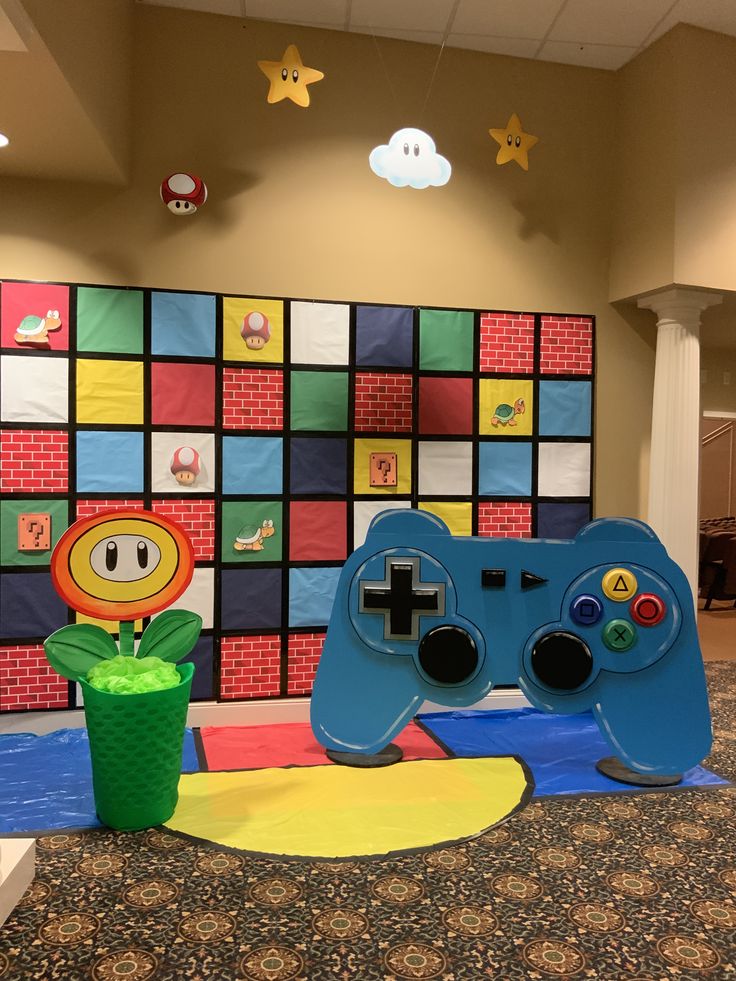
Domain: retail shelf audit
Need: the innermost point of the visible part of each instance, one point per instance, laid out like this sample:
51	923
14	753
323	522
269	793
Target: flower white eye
125	558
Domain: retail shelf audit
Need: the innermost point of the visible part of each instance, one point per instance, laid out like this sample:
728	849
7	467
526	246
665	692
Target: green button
619	635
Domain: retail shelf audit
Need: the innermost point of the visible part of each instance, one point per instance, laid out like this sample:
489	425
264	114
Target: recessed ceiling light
3	140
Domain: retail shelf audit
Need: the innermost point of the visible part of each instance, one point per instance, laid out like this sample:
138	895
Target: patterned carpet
630	887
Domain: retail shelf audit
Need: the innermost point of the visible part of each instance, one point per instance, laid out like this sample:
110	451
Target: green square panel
245	531
445	340
109	320
319	400
10	554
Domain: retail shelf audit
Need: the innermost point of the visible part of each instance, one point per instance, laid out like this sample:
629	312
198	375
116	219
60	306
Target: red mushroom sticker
183	193
256	330
186	465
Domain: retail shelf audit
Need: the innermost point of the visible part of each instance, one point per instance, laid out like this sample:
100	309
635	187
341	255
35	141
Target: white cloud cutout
410	159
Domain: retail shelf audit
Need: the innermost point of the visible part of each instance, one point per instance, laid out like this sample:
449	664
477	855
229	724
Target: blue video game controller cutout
604	622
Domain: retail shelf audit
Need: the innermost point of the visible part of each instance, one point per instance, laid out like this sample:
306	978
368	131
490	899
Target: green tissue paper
133	676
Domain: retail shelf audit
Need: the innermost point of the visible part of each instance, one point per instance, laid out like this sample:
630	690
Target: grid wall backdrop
283	433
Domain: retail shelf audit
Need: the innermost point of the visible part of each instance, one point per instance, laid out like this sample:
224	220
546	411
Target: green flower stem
127	635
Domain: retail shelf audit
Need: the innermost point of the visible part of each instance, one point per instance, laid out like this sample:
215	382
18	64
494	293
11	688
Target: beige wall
294	209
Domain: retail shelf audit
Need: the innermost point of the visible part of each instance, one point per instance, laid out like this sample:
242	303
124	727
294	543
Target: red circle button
648	609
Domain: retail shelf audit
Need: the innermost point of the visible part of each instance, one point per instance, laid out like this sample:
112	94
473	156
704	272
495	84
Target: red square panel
34	460
86	508
250	667
197	518
182	394
505	519
566	346
304	654
27	680
21	300
252	398
318	530
506	342
383	402
446	406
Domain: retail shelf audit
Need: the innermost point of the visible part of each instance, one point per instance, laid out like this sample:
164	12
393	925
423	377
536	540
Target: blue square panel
201	658
384	336
251	599
505	469
311	595
183	324
561	520
318	466
252	464
109	461
564	408
29	606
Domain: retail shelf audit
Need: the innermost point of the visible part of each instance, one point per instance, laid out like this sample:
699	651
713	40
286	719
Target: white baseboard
17	869
268	711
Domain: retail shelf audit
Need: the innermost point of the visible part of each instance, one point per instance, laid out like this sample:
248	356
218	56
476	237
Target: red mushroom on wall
183	193
186	465
256	330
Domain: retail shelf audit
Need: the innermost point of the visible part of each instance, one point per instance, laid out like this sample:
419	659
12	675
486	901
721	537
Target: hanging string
388	74
448	29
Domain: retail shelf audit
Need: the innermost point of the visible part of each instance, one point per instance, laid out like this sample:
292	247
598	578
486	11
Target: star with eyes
514	143
289	77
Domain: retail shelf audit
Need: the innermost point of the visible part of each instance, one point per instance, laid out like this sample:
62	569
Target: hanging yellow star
289	78
514	143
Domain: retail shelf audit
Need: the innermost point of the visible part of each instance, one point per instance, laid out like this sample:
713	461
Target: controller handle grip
664	724
384	701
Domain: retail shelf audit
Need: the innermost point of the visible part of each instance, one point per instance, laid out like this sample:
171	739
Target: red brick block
27	680
505	519
34	460
198	520
566	346
85	509
304	655
383	402
252	398
250	667
507	342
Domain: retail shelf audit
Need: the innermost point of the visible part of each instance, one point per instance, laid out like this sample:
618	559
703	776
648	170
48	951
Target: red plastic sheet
291	744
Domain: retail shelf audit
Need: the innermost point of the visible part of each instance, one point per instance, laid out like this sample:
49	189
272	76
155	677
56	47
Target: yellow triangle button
619	584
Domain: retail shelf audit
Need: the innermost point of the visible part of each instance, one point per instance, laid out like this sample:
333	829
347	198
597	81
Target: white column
675	447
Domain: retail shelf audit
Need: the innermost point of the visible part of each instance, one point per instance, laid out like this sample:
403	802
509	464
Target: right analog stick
562	661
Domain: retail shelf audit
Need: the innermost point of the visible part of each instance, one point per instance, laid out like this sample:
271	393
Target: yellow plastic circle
619	585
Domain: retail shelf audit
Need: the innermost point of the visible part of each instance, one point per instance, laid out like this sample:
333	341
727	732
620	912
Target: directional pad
402	598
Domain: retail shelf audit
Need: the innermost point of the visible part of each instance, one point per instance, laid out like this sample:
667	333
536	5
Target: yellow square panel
506	407
110	391
362	465
248	338
457	515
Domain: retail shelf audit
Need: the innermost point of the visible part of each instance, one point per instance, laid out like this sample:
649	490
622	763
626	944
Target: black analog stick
448	655
562	661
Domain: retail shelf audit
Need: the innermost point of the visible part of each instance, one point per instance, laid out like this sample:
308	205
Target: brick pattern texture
504	519
250	666
252	399
27	680
383	402
198	520
304	655
566	346
85	509
34	460
507	342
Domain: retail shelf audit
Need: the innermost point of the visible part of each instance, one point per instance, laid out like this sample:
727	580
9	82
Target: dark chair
717	573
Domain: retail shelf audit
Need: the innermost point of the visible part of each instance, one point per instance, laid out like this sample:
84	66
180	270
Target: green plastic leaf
171	636
73	650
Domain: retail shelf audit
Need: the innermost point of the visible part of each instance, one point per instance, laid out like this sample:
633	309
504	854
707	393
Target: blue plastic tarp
560	750
46	781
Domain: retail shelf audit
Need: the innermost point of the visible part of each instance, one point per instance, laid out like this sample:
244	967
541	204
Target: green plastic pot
136	742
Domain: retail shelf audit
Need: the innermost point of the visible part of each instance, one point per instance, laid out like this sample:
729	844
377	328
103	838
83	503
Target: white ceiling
595	33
